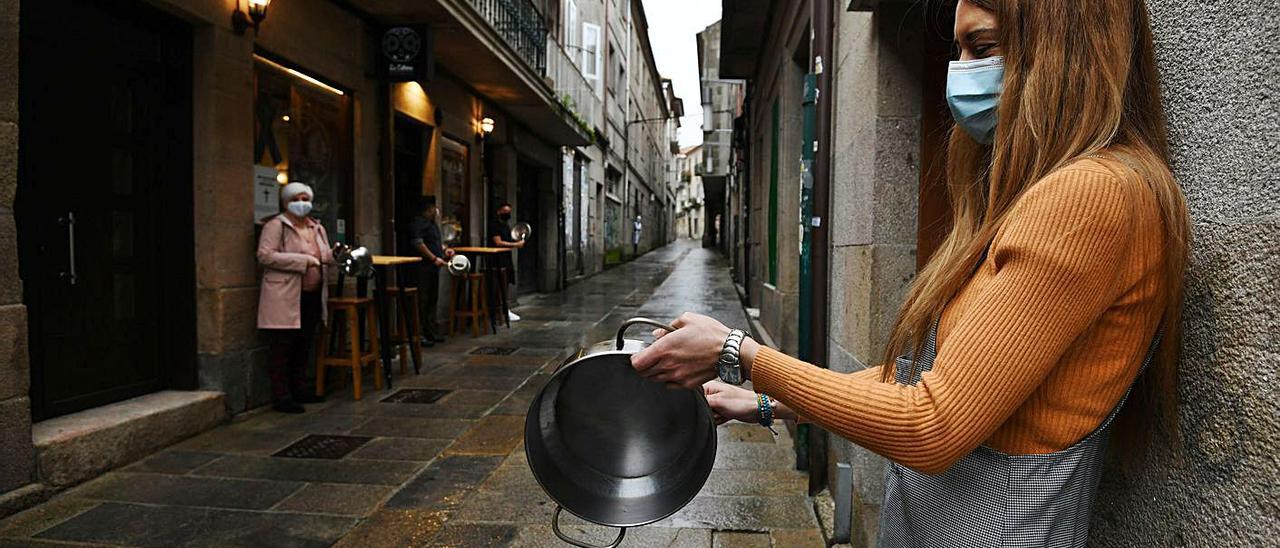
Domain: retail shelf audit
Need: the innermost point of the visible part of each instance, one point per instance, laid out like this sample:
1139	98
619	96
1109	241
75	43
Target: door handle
70	222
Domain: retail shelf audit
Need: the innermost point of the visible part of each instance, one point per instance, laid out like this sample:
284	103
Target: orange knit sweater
1034	351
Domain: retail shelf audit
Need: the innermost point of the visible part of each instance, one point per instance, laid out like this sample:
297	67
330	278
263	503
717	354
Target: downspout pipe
824	67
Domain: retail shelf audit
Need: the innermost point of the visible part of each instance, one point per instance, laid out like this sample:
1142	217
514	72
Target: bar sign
406	53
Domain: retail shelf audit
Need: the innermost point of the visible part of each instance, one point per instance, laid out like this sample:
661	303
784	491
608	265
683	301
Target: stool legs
353	327
375	348
324	347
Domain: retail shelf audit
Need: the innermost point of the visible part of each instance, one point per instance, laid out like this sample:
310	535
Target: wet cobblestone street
447	473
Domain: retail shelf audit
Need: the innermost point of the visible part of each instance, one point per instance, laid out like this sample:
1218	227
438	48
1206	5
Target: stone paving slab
404	427
396	528
311	470
228	440
495	435
541	536
172	462
406	449
140	525
441	485
336	498
189	491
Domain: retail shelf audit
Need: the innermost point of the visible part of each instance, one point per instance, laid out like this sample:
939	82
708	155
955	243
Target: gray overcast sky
673	29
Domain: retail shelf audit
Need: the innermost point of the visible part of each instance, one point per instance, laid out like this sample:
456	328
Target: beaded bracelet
764	408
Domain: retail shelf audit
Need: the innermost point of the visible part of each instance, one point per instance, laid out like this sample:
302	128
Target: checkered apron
991	499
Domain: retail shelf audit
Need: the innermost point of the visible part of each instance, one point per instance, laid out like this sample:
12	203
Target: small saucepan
614	448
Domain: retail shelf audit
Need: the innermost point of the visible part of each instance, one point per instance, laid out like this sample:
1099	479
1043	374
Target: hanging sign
405	54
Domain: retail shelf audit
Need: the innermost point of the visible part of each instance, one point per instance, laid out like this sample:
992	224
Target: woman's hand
685	357
439	262
313	261
730	402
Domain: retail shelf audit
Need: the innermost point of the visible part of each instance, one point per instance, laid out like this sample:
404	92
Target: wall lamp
486	126
240	22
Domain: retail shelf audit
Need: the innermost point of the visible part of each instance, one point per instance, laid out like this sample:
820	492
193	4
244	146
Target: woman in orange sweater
1058	289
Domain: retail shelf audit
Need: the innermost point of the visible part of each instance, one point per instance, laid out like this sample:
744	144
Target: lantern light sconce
486	126
240	22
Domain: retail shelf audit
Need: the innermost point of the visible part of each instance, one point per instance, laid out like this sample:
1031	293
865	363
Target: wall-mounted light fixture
486	126
257	12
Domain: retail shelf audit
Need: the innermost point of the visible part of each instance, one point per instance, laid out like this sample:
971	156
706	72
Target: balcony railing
573	90
521	26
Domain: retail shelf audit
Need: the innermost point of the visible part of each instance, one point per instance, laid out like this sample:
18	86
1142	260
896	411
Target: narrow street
448	473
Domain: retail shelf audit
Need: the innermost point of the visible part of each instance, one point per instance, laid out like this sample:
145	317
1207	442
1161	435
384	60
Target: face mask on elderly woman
300	208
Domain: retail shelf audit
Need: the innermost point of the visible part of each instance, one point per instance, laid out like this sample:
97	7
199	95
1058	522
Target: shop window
303	133
454	205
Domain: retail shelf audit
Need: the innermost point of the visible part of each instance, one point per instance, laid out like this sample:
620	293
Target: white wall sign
266	192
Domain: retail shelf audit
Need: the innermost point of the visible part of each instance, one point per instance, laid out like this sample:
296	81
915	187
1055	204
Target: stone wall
873	202
1222	99
17	463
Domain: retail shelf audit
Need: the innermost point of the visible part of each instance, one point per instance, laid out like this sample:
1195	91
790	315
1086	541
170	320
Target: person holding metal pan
1054	300
425	238
294	253
500	236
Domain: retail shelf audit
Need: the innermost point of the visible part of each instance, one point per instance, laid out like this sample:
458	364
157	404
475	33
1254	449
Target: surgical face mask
300	209
973	92
504	216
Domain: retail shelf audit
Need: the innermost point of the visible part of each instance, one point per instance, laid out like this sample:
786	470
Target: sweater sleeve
1053	275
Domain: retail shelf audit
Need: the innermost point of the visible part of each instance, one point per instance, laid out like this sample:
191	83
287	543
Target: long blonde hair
1080	80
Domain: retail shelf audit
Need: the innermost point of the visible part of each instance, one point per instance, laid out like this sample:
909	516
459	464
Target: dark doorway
411	140
528	206
104	202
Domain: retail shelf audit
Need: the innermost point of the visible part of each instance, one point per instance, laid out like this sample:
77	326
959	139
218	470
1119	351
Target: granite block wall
1222	99
17	461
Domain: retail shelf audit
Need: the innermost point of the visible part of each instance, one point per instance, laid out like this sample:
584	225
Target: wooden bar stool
353	357
470	300
407	334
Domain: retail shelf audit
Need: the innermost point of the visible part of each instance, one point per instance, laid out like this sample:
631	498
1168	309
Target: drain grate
494	350
322	447
415	395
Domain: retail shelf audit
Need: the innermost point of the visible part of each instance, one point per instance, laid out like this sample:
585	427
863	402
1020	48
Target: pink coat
284	258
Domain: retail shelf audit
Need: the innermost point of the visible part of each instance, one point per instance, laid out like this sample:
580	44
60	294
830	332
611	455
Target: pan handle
555	527
633	321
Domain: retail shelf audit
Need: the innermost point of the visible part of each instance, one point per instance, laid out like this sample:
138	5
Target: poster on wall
266	193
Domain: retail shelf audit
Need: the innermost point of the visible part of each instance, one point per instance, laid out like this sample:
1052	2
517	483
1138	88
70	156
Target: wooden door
104	202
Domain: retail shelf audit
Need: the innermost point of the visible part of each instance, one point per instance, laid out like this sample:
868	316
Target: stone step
73	448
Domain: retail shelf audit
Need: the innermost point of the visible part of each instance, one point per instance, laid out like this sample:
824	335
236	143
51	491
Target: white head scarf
291	190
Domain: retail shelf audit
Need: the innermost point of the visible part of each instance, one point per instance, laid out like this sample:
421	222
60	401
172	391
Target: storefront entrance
104	202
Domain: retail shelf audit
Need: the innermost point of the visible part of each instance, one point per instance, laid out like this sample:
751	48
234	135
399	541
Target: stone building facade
888	212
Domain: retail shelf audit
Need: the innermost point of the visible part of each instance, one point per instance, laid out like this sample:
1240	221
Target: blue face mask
973	92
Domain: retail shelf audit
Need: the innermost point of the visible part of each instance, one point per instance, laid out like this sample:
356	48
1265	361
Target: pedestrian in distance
636	226
500	236
424	237
293	251
1049	314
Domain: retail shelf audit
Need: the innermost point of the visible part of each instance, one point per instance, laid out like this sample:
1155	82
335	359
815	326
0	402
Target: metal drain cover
318	446
415	395
494	350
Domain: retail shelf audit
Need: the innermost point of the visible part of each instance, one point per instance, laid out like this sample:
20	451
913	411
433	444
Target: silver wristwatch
729	366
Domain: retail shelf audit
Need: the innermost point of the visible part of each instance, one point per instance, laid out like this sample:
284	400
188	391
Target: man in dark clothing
424	236
500	236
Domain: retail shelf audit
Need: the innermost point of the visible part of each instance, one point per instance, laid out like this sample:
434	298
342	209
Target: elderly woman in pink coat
293	251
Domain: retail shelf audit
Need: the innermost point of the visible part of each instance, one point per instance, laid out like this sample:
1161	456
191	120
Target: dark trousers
429	295
290	349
